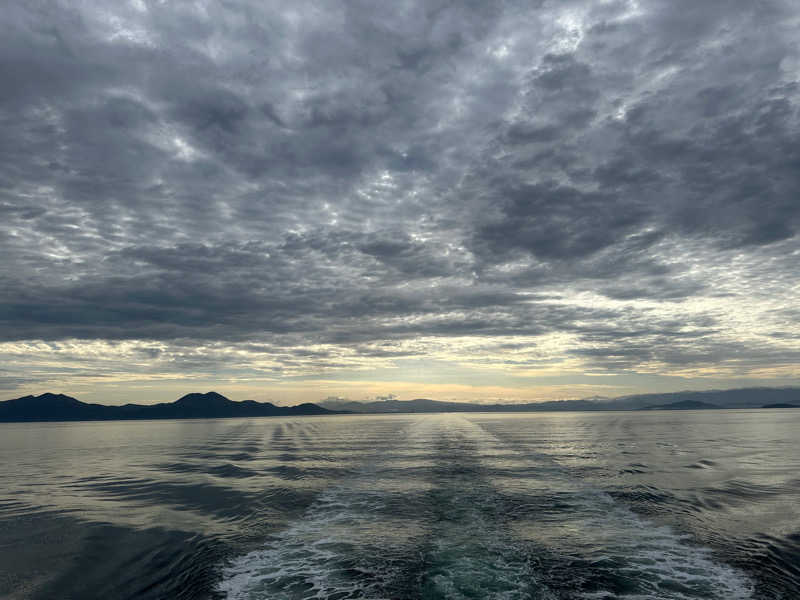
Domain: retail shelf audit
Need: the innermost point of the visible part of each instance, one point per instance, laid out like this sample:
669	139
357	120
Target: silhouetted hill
781	405
58	407
52	407
735	398
197	400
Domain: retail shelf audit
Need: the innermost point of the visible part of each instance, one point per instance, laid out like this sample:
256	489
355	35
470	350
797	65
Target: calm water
581	505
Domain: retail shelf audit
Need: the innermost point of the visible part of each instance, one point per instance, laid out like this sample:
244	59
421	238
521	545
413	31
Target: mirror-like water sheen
671	505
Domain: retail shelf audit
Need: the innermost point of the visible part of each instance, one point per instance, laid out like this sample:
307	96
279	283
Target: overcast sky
457	200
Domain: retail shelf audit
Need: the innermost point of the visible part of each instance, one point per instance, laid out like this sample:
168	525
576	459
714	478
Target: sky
474	200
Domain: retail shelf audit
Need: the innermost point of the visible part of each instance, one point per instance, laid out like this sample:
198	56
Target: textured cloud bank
538	191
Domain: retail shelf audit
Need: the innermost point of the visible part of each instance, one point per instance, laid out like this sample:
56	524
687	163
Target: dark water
674	505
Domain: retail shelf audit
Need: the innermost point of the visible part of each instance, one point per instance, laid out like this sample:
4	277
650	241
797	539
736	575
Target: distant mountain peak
199	398
49	397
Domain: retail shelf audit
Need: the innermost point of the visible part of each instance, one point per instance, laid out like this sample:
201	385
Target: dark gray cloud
623	174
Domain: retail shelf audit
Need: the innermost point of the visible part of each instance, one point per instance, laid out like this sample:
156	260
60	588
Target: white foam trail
660	563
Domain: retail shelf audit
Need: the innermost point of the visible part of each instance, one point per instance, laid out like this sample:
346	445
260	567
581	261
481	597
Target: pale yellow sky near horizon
168	391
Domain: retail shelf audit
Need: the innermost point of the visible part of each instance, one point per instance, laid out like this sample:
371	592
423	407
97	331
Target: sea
633	505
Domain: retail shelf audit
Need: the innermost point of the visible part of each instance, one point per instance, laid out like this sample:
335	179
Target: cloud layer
534	190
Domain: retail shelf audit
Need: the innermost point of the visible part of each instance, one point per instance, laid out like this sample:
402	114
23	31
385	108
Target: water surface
672	505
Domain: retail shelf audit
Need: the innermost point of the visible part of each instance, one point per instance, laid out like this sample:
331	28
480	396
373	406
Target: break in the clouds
519	199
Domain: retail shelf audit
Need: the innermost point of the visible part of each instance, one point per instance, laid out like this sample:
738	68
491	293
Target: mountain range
59	407
762	397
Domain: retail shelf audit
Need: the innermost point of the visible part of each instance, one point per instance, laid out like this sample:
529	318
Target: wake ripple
348	544
471	552
458	540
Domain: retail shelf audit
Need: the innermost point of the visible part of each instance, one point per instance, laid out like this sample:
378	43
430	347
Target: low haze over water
672	505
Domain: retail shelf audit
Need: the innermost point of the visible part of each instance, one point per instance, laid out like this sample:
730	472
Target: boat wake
457	533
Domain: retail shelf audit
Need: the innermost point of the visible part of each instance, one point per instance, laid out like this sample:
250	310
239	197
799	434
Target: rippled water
673	505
